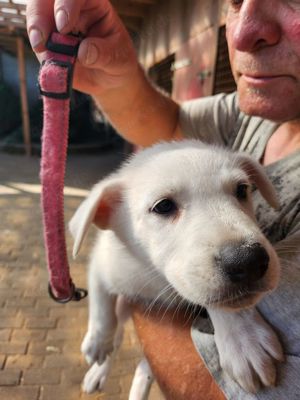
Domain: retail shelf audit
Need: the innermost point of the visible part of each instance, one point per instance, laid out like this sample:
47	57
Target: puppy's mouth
238	300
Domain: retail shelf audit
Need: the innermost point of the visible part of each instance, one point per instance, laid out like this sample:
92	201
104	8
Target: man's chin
271	106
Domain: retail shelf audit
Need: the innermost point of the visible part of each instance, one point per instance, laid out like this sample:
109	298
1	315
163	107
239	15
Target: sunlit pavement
39	339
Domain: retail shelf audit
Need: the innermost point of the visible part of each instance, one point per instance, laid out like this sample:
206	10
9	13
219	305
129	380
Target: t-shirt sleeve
213	119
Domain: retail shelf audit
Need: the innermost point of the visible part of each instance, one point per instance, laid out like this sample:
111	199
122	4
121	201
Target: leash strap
55	82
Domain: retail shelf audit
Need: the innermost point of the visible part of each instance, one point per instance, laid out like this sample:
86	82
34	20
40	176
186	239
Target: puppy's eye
242	191
164	207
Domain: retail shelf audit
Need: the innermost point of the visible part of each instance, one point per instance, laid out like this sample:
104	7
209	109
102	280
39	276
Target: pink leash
55	81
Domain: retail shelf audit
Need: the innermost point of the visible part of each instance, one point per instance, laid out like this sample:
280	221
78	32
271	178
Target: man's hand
106	57
107	67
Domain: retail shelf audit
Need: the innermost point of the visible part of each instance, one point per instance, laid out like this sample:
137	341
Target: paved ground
39	339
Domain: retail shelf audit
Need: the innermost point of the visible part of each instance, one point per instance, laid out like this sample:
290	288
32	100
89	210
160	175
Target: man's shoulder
213	119
227	100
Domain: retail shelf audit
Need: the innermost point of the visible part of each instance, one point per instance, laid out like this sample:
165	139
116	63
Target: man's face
264	48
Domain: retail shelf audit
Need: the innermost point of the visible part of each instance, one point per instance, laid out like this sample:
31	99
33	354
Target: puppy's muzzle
242	263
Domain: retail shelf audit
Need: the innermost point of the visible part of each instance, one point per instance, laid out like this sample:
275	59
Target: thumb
109	54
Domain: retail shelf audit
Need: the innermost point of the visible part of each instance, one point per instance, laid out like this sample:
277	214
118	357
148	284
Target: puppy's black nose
243	263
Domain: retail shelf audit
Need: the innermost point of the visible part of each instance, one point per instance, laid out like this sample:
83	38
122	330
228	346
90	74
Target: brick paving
40	340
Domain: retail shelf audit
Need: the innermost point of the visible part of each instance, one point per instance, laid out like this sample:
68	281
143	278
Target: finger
69	12
66	14
106	54
40	22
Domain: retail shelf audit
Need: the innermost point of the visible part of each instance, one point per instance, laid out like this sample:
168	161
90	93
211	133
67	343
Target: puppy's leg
97	375
98	341
142	381
248	347
123	313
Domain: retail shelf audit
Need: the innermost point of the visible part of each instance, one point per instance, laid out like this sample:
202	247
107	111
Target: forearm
139	112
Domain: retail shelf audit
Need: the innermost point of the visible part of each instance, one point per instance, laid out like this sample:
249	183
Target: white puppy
177	225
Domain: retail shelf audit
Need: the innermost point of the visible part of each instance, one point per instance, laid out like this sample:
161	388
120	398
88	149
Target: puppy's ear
258	176
97	208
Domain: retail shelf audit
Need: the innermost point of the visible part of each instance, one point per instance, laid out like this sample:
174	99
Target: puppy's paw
248	349
96	376
95	347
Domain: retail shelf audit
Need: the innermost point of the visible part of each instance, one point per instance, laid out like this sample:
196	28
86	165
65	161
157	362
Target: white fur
140	254
142	381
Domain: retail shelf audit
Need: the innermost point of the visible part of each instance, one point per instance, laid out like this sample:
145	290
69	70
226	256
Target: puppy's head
185	209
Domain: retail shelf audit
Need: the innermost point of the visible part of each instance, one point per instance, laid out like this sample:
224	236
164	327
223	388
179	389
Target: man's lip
262	74
262	78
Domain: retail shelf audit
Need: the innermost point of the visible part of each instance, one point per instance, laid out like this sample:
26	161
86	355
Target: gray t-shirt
218	120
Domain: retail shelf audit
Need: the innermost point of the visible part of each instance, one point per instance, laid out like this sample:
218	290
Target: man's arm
107	67
140	112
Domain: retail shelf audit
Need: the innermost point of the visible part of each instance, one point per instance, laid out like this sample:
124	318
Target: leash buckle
77	294
60	66
61	48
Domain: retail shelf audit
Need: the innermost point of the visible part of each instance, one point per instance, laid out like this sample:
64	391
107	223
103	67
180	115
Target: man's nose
257	25
242	263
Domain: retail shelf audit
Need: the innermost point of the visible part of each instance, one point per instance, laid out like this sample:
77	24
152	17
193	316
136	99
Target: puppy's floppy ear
97	208
258	176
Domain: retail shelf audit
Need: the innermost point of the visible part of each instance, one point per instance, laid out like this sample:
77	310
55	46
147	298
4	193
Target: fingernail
91	54
35	37
61	19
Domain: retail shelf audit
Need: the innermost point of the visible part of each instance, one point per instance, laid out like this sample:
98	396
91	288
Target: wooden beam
12	24
9	16
5	31
18	7
23	94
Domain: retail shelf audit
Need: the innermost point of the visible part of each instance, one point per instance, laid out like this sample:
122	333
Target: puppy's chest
140	286
124	273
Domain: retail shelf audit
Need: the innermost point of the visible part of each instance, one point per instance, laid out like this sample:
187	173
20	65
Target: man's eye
235	3
241	191
165	207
